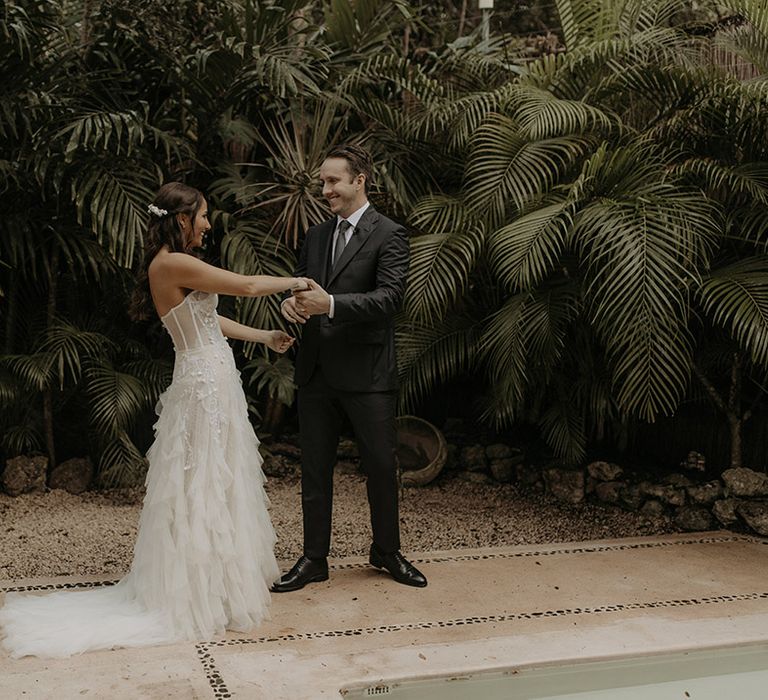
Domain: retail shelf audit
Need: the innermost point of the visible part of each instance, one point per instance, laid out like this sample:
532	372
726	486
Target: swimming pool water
733	673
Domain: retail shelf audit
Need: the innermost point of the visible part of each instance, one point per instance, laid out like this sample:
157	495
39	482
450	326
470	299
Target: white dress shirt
354	220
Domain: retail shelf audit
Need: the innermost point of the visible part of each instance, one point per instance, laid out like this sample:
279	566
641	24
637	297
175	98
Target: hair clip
157	211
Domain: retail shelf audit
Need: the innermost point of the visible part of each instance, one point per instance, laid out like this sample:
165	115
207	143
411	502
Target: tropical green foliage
588	213
615	188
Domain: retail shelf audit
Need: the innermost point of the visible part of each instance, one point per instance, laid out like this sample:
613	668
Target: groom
357	262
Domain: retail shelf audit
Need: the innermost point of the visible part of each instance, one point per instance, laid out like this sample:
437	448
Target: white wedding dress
203	560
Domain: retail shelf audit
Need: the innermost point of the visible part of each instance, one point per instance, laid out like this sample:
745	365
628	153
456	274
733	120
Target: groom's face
344	191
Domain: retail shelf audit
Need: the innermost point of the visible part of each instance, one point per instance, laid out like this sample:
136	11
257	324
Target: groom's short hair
359	161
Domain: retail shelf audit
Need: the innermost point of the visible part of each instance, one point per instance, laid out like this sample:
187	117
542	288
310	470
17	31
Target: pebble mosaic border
450	557
205	650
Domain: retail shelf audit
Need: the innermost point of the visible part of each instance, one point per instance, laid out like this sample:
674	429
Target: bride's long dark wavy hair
165	230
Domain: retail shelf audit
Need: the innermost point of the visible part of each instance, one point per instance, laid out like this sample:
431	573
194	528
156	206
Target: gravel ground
58	534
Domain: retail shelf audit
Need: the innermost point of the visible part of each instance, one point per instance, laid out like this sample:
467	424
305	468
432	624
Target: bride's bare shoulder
165	263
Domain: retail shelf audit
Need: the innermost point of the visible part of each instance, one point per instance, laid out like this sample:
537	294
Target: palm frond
250	250
522	253
562	427
35	371
121	463
523	344
22	439
580	21
749	224
749	39
116	201
363	27
506	170
503	351
276	378
116	397
750	179
735	297
431	355
117	132
154	373
441	261
297	150
540	114
69	348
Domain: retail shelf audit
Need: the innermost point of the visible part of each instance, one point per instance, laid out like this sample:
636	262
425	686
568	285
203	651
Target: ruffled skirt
204	556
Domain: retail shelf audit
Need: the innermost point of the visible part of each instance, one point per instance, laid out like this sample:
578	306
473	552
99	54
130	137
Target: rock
609	491
498	451
528	474
693	518
503	470
725	511
347	449
705	494
631	497
473	458
678	480
346	467
74	475
474	477
565	484
24	475
604	471
666	494
286	449
452	457
695	461
653	509
745	483
755	514
279	466
454	427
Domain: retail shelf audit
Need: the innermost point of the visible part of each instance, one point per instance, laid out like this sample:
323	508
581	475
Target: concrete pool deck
484	610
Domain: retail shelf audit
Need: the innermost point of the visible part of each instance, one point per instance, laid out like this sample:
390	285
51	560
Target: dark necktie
341	240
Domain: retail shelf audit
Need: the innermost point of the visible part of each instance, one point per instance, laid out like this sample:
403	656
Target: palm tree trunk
10	317
735	426
48	392
462	17
85	26
730	407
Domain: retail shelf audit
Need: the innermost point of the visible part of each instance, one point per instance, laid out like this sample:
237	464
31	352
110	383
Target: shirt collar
354	218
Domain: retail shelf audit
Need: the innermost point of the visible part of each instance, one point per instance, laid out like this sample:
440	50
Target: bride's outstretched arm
186	271
277	340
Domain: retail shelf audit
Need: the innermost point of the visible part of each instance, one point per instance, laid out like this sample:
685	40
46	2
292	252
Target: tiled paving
484	610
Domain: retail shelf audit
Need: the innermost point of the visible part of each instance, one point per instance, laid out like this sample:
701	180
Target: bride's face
195	230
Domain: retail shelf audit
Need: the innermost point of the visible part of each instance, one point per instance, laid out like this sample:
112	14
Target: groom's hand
314	301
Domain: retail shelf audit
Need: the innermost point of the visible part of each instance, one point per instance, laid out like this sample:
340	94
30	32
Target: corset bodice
194	324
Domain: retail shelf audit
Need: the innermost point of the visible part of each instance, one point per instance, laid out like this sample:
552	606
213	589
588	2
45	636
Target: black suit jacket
356	348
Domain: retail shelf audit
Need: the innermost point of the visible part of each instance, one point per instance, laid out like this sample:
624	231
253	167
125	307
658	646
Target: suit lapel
359	237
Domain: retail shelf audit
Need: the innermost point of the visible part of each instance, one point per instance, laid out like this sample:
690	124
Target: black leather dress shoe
398	566
304	571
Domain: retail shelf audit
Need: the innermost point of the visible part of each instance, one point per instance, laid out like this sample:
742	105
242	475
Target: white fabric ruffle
203	559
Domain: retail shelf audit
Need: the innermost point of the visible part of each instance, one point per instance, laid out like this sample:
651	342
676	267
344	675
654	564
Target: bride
203	559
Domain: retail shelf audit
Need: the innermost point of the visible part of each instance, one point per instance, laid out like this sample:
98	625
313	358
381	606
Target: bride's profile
203	559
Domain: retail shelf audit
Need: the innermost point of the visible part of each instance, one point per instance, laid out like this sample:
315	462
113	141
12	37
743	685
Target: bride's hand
279	341
300	285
